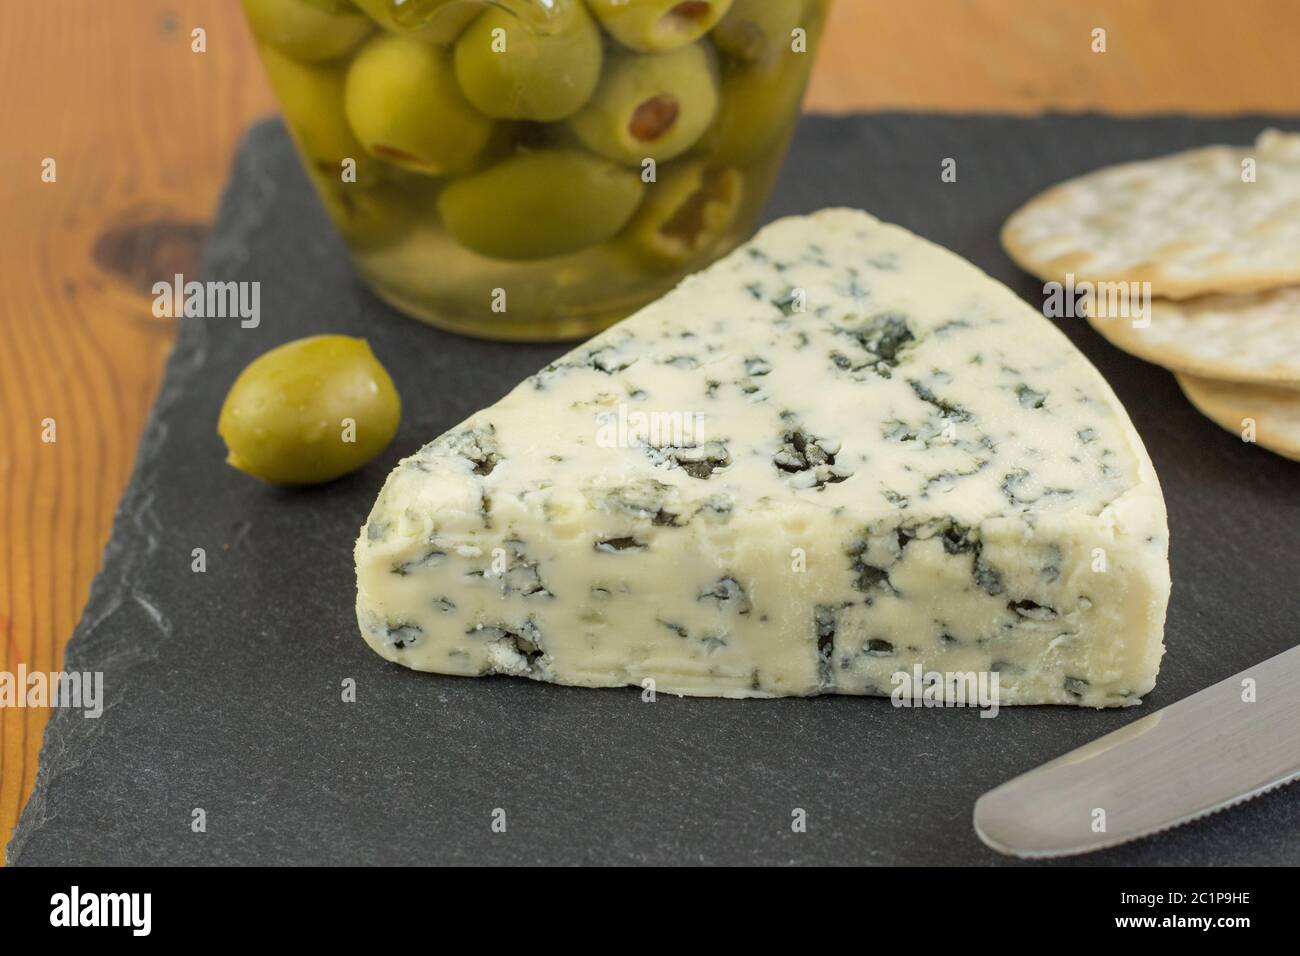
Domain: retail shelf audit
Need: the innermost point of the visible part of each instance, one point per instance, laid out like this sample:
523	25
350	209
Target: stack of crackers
1208	241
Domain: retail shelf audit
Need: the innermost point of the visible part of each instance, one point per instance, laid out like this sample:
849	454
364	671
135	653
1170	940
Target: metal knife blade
1201	754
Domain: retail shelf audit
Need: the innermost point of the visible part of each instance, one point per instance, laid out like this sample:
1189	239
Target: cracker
1275	411
1186	223
1250	337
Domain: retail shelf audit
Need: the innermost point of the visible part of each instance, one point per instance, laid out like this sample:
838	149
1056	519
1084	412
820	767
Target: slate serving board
224	688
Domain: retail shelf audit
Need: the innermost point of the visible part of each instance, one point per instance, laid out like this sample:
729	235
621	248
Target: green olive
311	98
759	108
433	21
403	103
683	216
652	106
304	30
309	411
657	26
540	204
511	71
758	29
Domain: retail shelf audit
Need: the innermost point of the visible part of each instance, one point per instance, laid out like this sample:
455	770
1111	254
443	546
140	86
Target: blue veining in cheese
891	460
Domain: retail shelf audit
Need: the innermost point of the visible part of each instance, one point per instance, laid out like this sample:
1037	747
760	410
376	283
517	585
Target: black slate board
224	688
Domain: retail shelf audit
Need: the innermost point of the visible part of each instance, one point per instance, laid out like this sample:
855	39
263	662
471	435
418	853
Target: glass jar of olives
538	169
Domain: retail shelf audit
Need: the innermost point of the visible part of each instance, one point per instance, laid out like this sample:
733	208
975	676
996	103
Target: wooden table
142	130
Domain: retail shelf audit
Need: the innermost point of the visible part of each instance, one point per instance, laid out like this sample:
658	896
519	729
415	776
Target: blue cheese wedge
837	455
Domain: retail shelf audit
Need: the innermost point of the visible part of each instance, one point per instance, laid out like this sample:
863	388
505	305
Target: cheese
836	455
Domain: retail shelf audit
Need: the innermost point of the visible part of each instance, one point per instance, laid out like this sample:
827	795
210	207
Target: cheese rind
838	453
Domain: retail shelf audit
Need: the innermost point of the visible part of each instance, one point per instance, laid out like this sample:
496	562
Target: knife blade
1218	747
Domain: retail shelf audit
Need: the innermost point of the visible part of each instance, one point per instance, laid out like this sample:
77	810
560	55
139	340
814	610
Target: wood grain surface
142	130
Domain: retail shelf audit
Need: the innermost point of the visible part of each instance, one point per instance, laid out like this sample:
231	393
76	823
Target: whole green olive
658	26
403	103
309	411
650	106
509	70
540	204
304	30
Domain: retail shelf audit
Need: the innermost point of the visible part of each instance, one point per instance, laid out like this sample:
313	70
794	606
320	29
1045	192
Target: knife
1221	746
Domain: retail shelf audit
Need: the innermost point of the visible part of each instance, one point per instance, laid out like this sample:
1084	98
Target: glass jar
538	169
